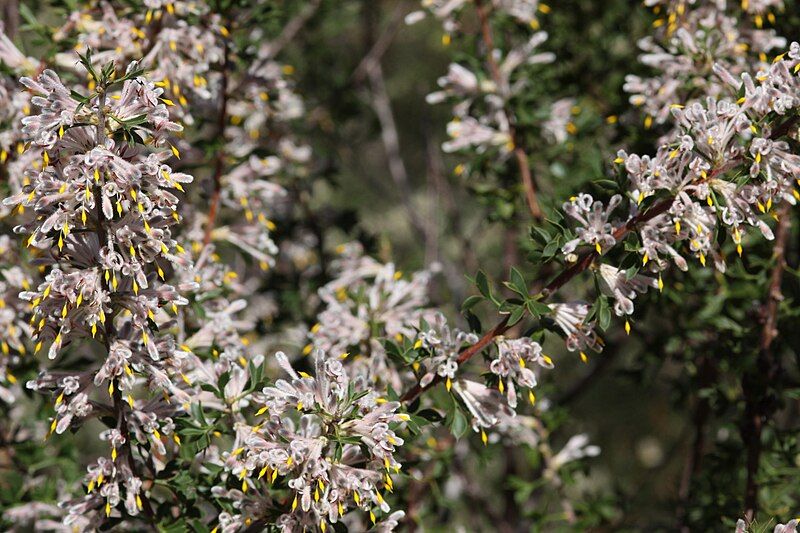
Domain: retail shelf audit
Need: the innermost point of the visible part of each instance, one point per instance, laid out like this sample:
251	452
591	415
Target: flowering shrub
217	316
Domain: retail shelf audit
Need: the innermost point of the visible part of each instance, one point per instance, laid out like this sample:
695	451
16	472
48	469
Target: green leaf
26	13
516	315
471	302
483	285
537	308
604	314
550	249
458	424
518	284
78	97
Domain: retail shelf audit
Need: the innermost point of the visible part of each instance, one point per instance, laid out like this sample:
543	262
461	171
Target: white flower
616	284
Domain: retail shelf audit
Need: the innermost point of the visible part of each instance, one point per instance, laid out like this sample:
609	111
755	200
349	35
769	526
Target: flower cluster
698	170
184	60
580	334
367	302
328	440
443	344
515	365
483	119
692	38
15	106
179	55
104	205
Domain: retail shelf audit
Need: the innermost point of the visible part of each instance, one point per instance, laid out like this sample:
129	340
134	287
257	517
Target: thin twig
519	152
391	145
292	27
381	45
370	67
10	18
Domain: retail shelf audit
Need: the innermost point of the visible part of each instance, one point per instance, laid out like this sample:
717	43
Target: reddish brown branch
519	152
463	357
755	385
583	263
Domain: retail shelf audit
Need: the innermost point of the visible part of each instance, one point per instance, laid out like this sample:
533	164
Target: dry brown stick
519	152
758	406
292	27
391	145
380	45
370	67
